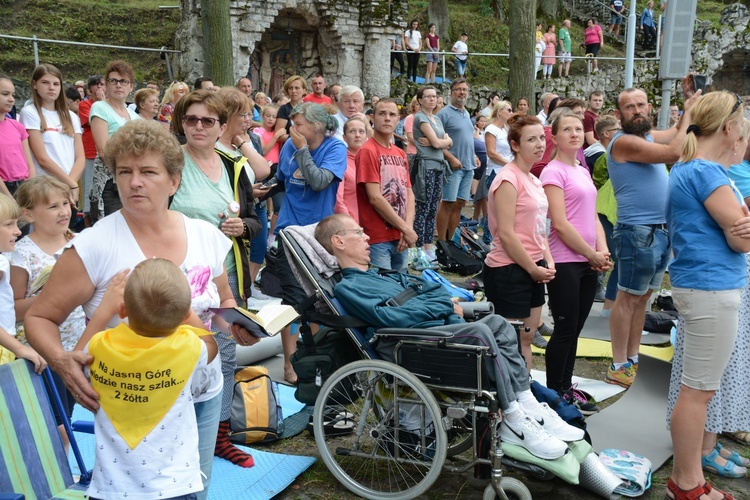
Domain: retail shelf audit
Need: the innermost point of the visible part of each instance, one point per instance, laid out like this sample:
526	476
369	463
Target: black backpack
455	259
473	243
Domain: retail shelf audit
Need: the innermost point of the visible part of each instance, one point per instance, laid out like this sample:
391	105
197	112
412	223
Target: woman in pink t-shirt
594	41
579	247
355	135
519	262
16	164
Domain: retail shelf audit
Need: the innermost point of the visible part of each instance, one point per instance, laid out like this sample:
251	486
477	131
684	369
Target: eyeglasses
246	115
736	104
206	121
358	231
613	130
115	81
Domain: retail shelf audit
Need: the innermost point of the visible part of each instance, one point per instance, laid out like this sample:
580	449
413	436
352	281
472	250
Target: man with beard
636	160
457	190
384	195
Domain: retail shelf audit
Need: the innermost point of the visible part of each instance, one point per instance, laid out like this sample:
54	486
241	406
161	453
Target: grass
124	22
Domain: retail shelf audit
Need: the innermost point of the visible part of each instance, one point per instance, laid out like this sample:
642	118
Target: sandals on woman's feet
708	489
734	457
680	494
729	470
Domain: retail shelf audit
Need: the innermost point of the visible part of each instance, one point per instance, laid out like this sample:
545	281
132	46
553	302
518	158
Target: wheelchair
411	418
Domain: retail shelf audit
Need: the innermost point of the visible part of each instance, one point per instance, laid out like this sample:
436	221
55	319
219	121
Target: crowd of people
191	188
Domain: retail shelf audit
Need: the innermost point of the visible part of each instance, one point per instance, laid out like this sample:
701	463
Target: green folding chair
32	457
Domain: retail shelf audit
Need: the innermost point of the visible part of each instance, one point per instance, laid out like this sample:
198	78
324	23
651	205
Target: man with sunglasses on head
636	159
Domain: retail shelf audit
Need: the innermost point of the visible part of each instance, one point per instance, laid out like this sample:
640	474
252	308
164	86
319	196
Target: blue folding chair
32	457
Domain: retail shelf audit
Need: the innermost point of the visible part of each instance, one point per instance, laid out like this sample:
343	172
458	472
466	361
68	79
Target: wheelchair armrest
413	333
477	310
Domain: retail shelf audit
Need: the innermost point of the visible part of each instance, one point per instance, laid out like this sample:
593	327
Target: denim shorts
386	256
458	185
642	254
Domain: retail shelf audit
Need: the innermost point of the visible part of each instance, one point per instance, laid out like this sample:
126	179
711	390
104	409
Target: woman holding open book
147	162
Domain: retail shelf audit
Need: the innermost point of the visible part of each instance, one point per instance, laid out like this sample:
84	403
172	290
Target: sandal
734	457
680	494
730	470
335	423
709	489
742	437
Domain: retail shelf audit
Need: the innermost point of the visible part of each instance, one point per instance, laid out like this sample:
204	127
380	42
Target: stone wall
348	41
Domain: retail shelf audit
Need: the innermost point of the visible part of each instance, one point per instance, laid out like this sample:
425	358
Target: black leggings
412	61
571	295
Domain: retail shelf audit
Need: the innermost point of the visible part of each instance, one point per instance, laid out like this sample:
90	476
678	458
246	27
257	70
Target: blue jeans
461	66
385	256
207	414
642	253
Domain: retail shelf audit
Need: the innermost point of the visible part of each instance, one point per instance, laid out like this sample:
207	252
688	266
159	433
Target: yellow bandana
139	378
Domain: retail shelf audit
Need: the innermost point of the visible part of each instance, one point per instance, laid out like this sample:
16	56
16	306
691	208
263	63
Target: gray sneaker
539	341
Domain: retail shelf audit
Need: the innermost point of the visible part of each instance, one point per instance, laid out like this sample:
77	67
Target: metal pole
658	36
630	50
443	61
36	52
666	96
169	66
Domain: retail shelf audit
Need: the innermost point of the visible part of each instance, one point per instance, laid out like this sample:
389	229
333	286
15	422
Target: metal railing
588	58
36	41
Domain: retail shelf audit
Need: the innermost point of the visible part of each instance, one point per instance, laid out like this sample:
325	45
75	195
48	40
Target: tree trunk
549	8
437	12
499	6
522	41
217	42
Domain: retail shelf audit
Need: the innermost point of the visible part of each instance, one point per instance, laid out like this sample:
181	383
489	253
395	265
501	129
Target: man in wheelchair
368	294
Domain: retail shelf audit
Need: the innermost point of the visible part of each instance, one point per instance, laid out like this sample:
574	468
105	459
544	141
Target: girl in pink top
414	108
355	135
579	248
519	262
268	135
16	164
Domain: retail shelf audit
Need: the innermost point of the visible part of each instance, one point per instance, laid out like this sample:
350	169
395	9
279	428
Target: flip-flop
730	470
734	457
742	437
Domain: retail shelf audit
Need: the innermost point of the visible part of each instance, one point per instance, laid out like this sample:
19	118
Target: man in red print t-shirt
384	195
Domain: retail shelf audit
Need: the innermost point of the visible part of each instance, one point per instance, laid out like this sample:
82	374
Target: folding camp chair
32	457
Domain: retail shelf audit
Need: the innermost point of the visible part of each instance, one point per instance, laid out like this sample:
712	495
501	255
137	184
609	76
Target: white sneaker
528	434
552	423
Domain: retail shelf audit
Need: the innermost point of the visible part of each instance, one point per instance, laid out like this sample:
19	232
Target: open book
267	322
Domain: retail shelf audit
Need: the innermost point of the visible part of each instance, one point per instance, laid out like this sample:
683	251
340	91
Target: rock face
348	41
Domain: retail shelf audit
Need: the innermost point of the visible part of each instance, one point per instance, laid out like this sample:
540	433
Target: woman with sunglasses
215	188
106	117
708	223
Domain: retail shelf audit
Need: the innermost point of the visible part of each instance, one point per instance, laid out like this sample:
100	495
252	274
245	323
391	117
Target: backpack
565	410
317	357
462	294
660	322
255	415
473	243
455	259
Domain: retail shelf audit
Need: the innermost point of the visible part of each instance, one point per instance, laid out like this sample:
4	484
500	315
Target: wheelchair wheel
380	459
513	488
460	436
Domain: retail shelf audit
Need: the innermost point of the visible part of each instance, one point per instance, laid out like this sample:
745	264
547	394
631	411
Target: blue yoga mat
272	472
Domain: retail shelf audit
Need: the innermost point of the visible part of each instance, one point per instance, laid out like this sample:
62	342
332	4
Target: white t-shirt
7	307
165	464
32	259
109	247
60	147
412	38
461	47
502	147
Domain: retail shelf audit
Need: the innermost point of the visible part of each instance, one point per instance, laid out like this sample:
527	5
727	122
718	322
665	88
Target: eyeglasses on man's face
358	231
